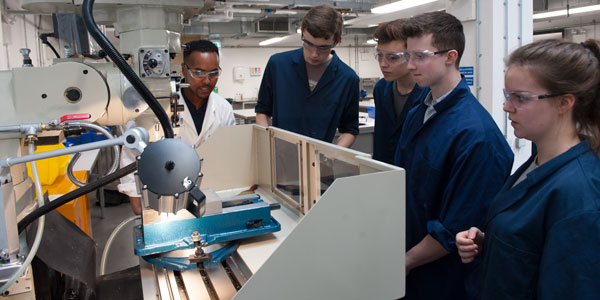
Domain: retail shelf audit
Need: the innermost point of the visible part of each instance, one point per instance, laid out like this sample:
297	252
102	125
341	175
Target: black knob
152	63
170	165
73	94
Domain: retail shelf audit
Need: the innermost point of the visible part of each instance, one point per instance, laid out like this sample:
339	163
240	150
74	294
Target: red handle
75	117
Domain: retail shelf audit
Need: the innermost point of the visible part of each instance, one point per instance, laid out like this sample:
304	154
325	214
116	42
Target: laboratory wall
248	64
18	31
582	33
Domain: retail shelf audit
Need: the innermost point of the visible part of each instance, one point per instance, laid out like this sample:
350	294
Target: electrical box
239	73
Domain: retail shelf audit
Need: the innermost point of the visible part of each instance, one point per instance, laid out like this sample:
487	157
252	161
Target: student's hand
469	244
136	205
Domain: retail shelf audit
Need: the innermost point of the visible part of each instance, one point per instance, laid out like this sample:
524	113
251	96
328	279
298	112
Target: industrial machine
325	222
341	218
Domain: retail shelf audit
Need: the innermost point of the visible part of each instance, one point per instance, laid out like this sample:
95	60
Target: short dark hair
200	46
324	22
390	31
447	31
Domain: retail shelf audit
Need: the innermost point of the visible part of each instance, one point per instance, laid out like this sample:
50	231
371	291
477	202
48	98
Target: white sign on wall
255	71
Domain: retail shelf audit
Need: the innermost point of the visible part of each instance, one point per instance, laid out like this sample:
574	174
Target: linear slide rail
220	281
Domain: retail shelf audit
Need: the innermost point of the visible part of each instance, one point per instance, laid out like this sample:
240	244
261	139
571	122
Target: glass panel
331	169
286	169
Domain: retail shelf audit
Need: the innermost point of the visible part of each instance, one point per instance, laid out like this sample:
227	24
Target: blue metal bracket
232	224
183	263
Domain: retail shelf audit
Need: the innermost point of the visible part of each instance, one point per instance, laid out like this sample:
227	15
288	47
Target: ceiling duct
273	25
215	16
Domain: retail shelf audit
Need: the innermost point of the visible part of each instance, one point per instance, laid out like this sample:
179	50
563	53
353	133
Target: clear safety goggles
322	49
200	74
392	58
521	98
423	55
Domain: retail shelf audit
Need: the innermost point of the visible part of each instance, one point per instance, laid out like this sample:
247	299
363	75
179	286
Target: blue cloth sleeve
475	178
445	237
570	264
349	120
264	105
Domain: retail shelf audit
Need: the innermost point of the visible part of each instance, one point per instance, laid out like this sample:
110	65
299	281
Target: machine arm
116	57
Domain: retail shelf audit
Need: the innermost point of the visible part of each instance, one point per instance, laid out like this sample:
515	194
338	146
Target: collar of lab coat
458	94
328	75
509	195
388	103
190	134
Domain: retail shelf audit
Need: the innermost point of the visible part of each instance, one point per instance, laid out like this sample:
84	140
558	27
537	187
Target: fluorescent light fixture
563	12
371	42
246	10
399	5
285	12
372	25
272	41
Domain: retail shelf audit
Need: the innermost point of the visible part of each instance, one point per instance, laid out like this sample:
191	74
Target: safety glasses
200	74
423	55
322	49
392	58
519	99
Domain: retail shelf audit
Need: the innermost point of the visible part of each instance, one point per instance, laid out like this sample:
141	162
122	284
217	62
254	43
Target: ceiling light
563	12
271	41
285	12
371	42
399	5
246	10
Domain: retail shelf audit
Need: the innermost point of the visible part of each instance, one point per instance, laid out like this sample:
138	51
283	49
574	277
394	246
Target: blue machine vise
248	219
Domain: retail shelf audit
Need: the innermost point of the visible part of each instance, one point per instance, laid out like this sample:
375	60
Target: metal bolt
195	236
4	255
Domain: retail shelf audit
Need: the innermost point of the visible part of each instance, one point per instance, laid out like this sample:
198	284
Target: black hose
74	194
52	48
116	57
44	38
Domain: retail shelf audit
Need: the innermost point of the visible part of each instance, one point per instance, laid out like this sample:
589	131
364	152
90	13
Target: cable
118	60
110	240
52	48
105	132
44	38
75	194
40	228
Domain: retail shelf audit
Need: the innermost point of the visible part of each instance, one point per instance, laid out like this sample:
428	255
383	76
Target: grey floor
121	254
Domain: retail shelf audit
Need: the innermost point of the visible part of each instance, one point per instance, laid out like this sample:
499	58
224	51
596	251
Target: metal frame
309	166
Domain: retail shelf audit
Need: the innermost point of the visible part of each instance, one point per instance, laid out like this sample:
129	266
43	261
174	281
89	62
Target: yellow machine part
78	210
50	168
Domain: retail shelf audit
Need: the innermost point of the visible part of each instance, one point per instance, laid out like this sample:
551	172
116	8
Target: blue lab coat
455	164
543	236
333	104
387	126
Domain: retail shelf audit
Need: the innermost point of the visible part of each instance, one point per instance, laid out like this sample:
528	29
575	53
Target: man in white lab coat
205	111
